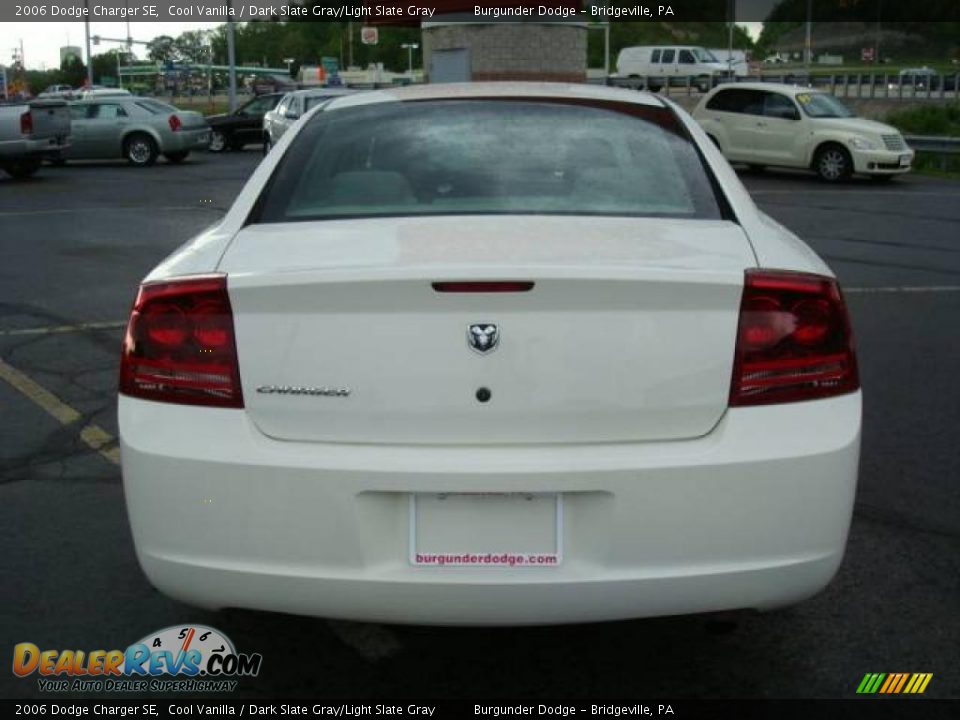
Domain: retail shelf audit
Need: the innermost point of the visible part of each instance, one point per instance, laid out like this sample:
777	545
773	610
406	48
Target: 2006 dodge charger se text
491	354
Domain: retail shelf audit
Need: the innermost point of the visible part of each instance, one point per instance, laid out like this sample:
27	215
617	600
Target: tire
218	142
177	157
24	168
833	163
140	150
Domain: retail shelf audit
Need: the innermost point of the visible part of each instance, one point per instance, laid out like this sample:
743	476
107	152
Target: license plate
904	160
486	529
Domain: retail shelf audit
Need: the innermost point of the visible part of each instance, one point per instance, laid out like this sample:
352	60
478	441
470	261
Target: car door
736	111
686	65
79	136
779	138
668	64
250	126
105	126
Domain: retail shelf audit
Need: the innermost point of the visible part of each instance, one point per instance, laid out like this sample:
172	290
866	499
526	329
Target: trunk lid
51	119
628	333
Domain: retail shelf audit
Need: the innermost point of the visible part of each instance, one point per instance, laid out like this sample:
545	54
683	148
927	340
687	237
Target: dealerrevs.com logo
182	658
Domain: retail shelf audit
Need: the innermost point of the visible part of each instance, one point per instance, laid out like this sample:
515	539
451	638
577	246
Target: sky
42	41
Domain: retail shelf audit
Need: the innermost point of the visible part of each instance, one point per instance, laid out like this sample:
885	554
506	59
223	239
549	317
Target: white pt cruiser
784	125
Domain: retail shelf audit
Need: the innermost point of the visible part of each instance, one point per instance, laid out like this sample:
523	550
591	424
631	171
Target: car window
822	105
108	111
283	105
258	106
776	105
737	101
667	56
655	56
156	107
467	157
80	112
686	57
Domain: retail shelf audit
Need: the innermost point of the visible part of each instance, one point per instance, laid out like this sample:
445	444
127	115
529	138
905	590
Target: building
70	50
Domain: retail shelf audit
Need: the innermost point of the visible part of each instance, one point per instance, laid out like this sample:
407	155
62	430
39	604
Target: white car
293	105
765	124
671	65
498	353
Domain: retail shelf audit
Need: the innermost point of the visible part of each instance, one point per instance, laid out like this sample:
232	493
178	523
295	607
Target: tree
192	46
72	71
162	49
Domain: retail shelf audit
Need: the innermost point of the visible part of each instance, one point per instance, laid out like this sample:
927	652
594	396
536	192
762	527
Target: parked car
138	129
63	92
243	126
102	92
765	124
31	131
492	353
674	64
291	107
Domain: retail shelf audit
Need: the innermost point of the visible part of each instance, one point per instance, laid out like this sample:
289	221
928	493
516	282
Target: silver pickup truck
31	131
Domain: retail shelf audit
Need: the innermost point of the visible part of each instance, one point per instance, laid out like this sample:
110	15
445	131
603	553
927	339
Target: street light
410	47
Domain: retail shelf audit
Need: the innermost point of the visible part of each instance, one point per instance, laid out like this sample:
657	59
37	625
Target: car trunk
191	120
627	334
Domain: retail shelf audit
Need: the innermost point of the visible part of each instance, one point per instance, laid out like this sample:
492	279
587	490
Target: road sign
866	54
369	35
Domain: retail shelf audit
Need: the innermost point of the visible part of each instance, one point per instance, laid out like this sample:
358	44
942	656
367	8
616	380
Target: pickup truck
31	131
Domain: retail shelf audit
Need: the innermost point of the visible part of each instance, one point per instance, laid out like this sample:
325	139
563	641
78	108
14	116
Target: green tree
162	49
72	71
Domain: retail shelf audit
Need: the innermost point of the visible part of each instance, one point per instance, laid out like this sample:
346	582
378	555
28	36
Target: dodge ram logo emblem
483	337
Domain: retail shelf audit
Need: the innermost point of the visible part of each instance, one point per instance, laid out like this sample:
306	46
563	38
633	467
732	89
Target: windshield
821	105
489	157
704	55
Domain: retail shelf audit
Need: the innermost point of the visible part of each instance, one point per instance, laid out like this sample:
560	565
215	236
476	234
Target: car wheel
833	163
21	169
177	157
140	150
218	142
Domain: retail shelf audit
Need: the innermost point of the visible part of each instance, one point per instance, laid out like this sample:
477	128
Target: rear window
156	107
489	157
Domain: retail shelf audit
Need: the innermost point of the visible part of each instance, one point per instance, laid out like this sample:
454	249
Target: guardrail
942	147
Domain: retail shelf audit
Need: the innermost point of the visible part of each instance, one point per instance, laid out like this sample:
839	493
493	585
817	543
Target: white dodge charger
491	354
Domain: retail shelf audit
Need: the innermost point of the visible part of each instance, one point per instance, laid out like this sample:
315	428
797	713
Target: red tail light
180	345
26	123
175	123
794	341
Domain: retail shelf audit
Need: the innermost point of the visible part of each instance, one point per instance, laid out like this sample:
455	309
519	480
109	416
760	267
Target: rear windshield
155	106
489	157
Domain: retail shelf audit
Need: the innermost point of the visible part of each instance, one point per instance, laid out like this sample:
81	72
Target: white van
673	64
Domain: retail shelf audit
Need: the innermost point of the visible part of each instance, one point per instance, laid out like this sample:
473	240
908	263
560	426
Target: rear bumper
754	515
186	140
26	147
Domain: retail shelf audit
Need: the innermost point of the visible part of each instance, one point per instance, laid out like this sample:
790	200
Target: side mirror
291	115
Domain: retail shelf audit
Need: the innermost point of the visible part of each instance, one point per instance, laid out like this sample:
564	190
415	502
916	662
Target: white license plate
486	529
904	160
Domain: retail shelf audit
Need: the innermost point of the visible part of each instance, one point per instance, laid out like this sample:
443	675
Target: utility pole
808	54
231	60
732	7
876	44
350	43
86	30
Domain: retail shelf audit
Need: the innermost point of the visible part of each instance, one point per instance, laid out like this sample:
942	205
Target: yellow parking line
94	436
79	327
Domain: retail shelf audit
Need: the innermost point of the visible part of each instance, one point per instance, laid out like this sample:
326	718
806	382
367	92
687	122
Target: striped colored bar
894	683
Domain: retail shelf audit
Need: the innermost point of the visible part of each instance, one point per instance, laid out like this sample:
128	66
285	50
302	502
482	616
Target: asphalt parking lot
74	242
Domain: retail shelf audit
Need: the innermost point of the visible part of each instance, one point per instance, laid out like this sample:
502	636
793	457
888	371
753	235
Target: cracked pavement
74	242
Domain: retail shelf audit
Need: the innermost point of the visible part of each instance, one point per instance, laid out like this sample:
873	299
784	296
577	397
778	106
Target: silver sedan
294	104
138	129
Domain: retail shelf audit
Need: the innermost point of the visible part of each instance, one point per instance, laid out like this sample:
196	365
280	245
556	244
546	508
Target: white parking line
53	329
372	642
904	289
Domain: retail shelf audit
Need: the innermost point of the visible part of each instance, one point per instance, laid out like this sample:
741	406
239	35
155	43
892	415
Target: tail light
794	341
26	123
175	123
180	345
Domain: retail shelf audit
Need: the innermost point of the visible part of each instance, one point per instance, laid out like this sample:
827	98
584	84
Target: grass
927	120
